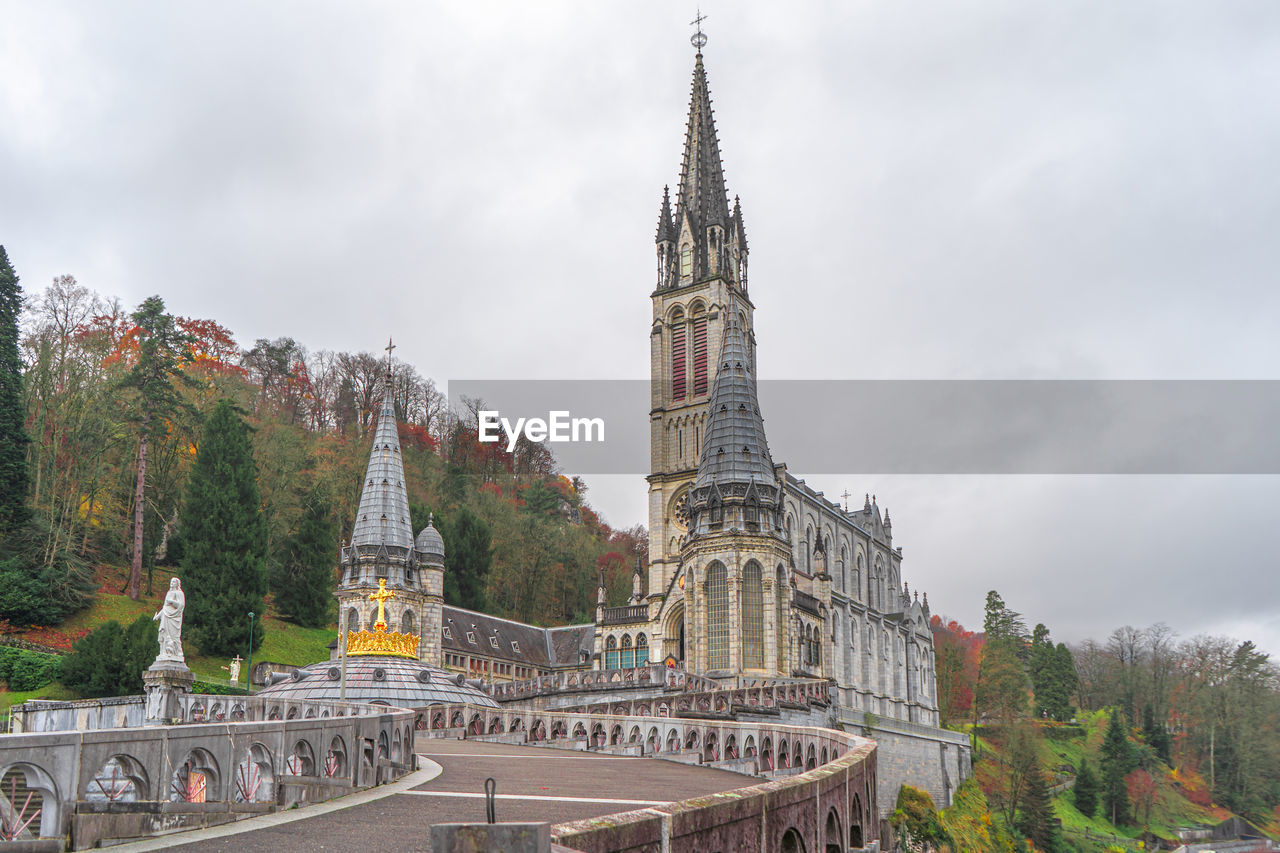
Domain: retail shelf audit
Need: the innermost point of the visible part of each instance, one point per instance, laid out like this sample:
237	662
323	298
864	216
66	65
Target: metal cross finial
390	347
699	39
846	500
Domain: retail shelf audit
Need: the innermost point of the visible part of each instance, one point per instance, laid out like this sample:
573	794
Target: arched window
752	616
628	659
686	260
699	353
353	620
642	650
611	653
717	617
780	618
679	366
408	623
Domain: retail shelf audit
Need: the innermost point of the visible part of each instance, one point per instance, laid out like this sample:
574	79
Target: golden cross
381	597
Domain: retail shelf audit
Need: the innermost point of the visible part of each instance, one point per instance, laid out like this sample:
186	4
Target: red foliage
416	436
212	348
958	652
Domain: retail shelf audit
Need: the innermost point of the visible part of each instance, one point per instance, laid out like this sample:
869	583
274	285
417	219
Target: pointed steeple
666	227
383	517
701	199
734	449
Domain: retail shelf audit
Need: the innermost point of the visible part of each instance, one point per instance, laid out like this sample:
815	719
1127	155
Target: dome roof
402	682
429	540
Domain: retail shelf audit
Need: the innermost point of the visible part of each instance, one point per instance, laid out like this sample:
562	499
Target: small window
686	260
493	641
448	635
515	647
471	637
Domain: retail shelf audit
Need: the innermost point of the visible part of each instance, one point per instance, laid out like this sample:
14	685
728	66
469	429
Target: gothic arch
717	615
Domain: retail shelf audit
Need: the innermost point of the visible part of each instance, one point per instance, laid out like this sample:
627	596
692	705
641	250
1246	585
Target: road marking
469	796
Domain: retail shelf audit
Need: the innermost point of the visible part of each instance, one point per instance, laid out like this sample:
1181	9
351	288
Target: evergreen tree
1085	791
1117	761
302	582
469	554
224	536
109	661
1155	733
13	434
1035	817
162	350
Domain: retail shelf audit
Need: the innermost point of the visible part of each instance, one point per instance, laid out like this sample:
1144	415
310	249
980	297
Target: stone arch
396	747
833	836
196	779
301	760
731	746
811	758
792	841
615	735
691	739
855	822
634	735
711	747
597	734
121	779
255	777
579	730
673	741
43	806
384	745
335	760
538	731
766	753
797	755
476	725
784	753
495	726
749	747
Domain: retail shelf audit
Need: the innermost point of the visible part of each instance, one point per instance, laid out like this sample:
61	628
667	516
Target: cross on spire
699	39
390	346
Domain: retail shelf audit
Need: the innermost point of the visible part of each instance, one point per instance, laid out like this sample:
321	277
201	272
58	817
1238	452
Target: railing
812	770
628	614
651	675
806	602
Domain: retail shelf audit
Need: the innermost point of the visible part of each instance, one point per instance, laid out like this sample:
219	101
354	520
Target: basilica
752	575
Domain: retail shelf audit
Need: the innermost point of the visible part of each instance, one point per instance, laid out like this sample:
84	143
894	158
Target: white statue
170	616
235	669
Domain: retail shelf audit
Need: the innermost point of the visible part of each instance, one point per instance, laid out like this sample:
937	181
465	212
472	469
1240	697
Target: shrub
27	670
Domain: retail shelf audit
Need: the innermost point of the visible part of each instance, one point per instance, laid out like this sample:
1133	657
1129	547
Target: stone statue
235	669
170	617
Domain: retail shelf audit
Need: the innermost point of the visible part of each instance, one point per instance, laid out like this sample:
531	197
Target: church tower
383	556
701	281
733	557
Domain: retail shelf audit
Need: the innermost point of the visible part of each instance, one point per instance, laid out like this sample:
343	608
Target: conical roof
735	449
383	518
702	194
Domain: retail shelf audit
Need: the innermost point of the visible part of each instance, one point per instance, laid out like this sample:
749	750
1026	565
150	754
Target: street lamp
248	682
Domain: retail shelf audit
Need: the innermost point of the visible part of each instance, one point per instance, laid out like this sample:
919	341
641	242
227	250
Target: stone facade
751	572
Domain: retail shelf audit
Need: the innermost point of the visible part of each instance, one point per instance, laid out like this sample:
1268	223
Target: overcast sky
964	190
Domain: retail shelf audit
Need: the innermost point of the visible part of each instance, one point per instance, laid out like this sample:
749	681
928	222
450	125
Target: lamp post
248	682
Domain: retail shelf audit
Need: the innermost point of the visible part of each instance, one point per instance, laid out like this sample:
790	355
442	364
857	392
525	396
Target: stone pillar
164	682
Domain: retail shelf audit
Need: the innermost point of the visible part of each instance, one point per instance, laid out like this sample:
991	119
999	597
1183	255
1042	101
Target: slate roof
492	636
398	681
383	517
735	449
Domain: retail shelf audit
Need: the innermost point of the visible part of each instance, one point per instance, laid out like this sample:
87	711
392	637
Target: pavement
533	784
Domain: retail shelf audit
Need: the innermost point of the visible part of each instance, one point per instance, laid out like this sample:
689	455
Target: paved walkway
534	784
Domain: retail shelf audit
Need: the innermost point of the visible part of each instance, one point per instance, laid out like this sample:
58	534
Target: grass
283	641
10	698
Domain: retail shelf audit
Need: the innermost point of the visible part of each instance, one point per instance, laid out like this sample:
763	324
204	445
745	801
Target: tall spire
383	517
701	197
734	449
666	228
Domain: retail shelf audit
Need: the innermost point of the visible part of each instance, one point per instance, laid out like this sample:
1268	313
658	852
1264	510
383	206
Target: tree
916	820
109	661
1155	733
302	582
1117	761
13	434
1035	817
224	538
162	350
469	554
1085	791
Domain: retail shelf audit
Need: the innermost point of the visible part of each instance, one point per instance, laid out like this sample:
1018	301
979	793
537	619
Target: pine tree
302	583
1035	817
1117	761
224	537
1085	791
109	661
469	554
1155	733
162	350
13	434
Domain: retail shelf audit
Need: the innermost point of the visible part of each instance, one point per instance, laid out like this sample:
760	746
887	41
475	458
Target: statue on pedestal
170	618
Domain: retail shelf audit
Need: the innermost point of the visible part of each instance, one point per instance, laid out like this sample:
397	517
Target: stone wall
934	760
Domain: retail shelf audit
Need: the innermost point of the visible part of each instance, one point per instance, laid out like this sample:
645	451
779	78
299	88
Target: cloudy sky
981	190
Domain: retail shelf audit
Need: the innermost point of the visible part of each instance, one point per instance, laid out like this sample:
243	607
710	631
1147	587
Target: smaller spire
887	522
666	225
638	568
866	506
